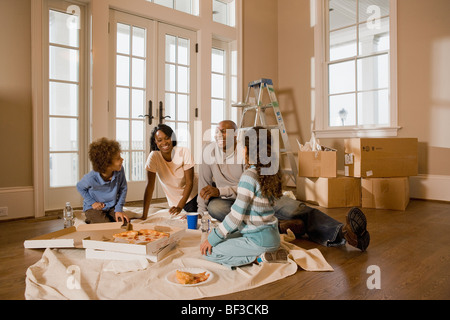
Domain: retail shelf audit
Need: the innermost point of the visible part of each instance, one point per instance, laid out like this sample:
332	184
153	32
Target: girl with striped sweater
249	233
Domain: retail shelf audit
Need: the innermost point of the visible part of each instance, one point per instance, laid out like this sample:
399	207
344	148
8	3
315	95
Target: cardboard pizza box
100	236
103	239
122	256
65	238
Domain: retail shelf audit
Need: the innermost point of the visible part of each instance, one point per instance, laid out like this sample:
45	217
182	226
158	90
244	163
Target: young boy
104	189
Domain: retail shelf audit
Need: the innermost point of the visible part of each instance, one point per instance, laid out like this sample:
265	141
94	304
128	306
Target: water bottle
205	225
205	222
68	215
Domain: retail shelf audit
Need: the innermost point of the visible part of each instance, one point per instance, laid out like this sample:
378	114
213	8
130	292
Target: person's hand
205	247
175	210
98	206
209	192
122	217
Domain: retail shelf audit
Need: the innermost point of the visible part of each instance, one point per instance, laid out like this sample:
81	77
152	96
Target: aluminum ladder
255	102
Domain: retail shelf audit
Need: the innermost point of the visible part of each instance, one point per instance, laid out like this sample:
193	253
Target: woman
174	167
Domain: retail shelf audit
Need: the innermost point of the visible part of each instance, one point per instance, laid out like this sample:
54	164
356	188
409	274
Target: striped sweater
250	213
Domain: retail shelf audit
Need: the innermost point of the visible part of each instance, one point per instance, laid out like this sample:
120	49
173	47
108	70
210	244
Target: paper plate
172	279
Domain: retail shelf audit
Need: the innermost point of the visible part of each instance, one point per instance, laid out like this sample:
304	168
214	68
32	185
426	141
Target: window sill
357	133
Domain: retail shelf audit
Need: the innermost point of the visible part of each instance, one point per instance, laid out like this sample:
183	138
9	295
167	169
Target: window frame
320	94
229	112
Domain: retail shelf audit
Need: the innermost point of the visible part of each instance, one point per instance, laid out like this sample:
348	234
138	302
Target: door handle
150	113
161	117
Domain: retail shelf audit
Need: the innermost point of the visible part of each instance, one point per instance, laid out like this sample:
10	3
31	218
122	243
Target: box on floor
336	192
99	236
385	193
381	157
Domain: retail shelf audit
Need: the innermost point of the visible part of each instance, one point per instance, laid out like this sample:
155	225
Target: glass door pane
130	90
63	100
218	88
176	49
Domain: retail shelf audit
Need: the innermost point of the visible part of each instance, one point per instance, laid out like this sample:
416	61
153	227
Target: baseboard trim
430	187
19	201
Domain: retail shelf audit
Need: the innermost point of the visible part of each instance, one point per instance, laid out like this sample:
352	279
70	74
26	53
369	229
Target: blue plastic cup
192	220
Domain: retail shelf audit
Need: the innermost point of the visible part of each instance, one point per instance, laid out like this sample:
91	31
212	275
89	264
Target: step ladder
255	103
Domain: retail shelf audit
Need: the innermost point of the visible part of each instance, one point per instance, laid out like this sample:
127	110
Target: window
359	88
223	83
63	98
218	81
224	11
188	6
178	87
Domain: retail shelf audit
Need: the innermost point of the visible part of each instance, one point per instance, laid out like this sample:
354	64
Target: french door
153	80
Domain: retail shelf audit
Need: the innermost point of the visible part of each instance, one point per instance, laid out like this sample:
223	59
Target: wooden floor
411	249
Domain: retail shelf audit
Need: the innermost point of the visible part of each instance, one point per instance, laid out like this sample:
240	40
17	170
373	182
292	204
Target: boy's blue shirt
112	193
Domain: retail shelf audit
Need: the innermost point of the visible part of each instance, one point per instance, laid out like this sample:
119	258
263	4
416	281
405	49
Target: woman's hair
167	131
102	152
258	142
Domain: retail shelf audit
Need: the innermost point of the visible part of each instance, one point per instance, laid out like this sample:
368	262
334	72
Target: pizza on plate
139	236
184	277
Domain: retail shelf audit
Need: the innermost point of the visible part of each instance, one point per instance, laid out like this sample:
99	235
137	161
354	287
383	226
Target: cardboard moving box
381	157
339	192
385	193
315	164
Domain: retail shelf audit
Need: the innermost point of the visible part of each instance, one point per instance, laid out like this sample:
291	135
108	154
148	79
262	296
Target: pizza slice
184	277
126	235
153	233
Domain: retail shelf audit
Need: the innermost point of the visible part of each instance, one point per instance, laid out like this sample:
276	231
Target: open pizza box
99	236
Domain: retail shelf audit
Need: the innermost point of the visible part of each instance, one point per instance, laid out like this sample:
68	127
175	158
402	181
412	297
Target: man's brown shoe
297	226
355	230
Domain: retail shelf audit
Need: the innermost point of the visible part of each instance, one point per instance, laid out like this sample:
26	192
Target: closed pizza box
381	157
339	192
122	256
65	238
103	239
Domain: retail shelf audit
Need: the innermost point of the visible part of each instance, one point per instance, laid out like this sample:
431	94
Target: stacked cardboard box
339	192
318	182
384	166
376	174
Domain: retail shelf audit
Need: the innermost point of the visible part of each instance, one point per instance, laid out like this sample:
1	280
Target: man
219	174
